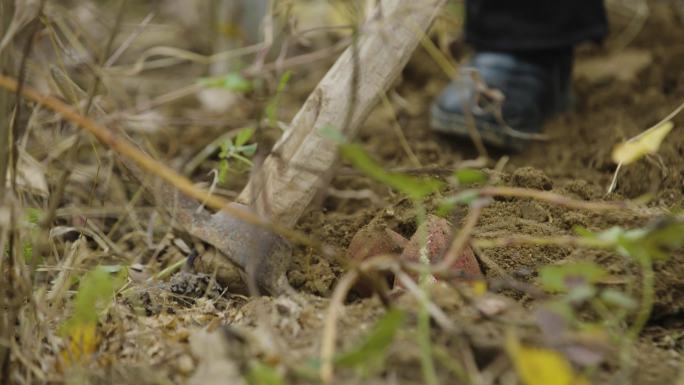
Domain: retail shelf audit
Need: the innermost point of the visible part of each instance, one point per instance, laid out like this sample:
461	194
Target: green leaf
262	374
416	188
655	241
226	148
564	278
94	293
248	150
233	81
243	136
468	176
618	298
373	347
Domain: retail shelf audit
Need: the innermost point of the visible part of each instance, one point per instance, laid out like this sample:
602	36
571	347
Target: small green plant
95	293
415	188
237	150
370	353
579	284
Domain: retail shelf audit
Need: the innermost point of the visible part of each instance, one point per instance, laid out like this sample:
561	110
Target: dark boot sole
491	133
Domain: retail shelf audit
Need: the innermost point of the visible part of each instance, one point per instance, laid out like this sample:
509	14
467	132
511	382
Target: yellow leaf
646	143
479	287
537	366
82	344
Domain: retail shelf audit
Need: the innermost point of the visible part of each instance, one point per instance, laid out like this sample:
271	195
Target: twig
640	11
491	264
425	345
5	103
460	242
437	314
356	194
647	298
129	40
21	77
330	324
56	197
530	240
553	198
613	181
168	271
400	133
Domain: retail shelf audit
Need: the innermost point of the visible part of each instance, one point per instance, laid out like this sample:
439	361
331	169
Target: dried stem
530	240
7	316
330	325
5	101
553	198
400	133
57	195
460	242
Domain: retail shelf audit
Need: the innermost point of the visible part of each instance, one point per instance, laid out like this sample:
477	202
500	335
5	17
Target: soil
575	162
151	337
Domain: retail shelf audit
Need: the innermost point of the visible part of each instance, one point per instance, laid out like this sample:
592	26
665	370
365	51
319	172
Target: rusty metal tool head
263	255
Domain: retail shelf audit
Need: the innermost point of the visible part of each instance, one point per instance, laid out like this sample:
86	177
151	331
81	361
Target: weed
238	150
95	293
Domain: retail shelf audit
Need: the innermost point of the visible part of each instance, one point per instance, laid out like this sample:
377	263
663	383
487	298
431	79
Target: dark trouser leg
524	25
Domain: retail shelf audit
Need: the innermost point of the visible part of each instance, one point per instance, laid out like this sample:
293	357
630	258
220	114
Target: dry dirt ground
162	333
